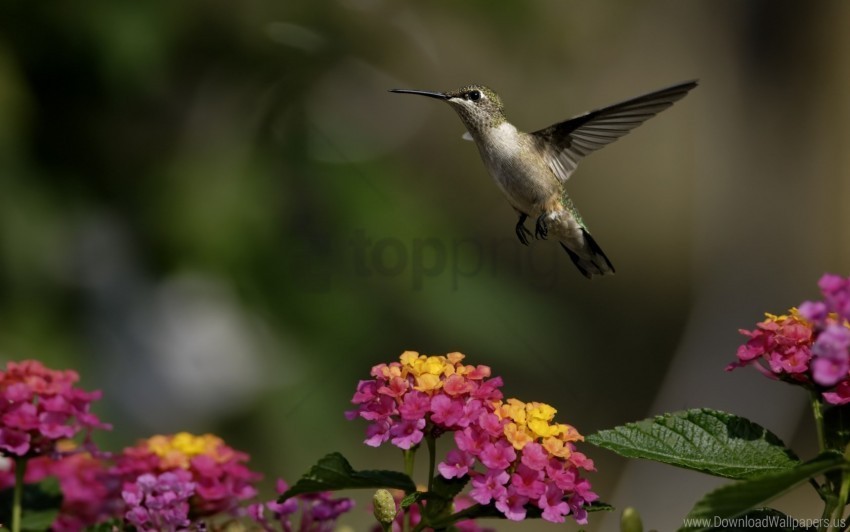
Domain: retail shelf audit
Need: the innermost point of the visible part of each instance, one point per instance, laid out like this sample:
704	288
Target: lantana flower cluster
526	458
220	478
809	346
40	406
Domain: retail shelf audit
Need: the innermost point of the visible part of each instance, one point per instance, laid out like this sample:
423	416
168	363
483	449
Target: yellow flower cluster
429	372
793	314
179	449
531	422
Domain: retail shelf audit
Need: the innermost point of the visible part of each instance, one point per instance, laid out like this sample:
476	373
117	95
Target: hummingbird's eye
474	95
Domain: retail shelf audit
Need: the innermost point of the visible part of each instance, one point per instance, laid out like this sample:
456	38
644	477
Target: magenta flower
456	465
489	486
528	482
498	455
512	504
534	456
159	502
40	406
809	346
553	505
407	433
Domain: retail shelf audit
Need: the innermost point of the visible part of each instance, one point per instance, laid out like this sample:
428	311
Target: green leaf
40	504
705	440
412	498
736	499
442	495
333	472
448	488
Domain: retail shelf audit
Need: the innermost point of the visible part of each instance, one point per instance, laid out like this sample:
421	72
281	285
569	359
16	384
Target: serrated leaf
333	472
737	499
705	440
441	496
448	488
412	498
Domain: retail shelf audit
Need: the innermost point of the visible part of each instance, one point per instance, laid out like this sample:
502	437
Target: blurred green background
219	216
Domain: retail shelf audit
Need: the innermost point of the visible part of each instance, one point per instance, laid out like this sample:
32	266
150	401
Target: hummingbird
532	169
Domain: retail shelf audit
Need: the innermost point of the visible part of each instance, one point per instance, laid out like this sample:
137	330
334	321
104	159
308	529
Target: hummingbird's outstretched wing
568	141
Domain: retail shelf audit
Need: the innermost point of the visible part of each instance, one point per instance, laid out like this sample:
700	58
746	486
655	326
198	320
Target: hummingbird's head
478	106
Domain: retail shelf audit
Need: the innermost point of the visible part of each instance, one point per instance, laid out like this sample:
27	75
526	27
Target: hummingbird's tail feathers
593	260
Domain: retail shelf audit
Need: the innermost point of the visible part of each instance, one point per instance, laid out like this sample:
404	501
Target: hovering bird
532	169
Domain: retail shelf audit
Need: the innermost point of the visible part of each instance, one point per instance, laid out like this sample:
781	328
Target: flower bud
385	509
630	521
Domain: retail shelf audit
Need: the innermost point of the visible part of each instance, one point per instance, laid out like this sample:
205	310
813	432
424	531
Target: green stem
837	512
817	411
409	462
20	469
842	500
432	458
828	488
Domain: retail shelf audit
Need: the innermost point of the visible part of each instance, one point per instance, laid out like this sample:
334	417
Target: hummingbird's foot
522	231
540	229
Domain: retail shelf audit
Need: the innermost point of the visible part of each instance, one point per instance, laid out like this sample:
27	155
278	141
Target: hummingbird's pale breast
511	159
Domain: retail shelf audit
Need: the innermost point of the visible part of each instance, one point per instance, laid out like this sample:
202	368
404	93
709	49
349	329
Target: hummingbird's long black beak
430	94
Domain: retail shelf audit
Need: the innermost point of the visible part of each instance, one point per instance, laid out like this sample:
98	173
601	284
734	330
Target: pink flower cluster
39	407
526	459
221	478
404	397
809	346
159	502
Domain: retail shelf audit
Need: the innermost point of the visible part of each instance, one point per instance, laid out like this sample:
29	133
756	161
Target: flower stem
842	500
20	469
409	461
432	456
817	411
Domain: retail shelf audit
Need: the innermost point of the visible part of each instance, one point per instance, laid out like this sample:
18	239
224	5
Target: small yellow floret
408	358
178	450
517	436
428	382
